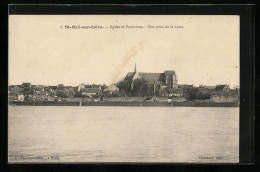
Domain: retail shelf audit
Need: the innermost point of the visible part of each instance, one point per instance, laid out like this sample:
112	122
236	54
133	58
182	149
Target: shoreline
160	104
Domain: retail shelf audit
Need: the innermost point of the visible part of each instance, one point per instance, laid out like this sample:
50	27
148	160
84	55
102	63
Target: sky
204	51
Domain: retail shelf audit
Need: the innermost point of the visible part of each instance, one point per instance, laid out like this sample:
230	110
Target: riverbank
144	103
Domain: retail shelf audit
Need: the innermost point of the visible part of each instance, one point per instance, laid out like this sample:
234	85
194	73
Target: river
123	134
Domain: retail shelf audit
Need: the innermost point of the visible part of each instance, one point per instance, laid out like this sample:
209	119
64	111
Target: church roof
129	76
220	87
169	72
151	78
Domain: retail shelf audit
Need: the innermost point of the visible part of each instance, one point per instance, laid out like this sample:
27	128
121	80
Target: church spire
135	68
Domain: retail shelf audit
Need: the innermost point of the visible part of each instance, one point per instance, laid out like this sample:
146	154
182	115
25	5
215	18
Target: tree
60	93
121	85
124	88
69	93
140	87
202	96
122	92
190	93
14	91
78	93
52	93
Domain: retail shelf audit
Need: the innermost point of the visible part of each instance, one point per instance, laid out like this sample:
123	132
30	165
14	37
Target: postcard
123	88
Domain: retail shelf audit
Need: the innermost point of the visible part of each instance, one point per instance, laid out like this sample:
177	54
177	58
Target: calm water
123	134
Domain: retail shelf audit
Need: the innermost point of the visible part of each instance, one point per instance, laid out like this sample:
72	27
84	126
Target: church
155	81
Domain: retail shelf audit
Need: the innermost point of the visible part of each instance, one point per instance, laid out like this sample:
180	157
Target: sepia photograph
123	88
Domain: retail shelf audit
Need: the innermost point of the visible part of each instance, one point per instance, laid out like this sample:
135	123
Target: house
46	88
33	86
154	81
53	88
112	89
82	85
39	88
225	96
222	88
220	93
95	86
162	93
20	96
178	92
26	86
172	92
90	92
12	98
50	98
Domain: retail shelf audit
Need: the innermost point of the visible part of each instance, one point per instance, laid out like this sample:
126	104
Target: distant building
95	86
222	88
46	88
33	86
222	93
224	98
50	98
53	88
90	92
12	98
175	92
111	89
20	97
81	86
39	88
155	81
171	92
26	85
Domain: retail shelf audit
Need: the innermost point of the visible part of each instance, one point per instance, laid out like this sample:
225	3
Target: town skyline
66	83
76	85
54	56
